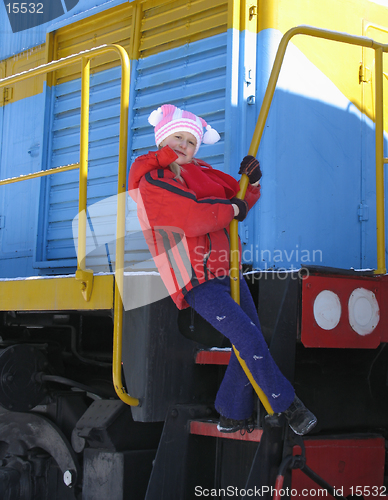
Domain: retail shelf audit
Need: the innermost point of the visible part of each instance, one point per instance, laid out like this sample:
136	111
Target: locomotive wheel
33	454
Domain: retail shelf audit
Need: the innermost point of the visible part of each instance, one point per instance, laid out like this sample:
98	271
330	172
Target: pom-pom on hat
168	119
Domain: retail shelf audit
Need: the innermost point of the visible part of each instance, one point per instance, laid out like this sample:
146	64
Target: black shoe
229	425
300	419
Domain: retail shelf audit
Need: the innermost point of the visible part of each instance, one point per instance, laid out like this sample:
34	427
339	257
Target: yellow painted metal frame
83	275
379	49
16	64
55	293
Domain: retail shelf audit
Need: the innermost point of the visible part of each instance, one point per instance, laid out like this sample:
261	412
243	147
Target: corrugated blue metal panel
62	207
103	159
192	77
14	43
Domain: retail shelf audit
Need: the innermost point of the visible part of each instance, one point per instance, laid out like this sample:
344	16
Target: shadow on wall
318	188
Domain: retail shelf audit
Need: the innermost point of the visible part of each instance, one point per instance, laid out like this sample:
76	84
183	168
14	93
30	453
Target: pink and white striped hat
168	119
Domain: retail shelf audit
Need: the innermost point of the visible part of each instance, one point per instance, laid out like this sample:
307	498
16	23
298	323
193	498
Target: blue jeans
240	324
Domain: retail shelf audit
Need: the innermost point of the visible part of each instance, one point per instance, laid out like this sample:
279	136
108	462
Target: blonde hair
176	169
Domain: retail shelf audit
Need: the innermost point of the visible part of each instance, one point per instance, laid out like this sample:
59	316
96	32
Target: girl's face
184	144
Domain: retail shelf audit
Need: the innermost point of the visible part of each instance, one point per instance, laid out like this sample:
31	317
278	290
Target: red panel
345	464
213	357
342	335
201	428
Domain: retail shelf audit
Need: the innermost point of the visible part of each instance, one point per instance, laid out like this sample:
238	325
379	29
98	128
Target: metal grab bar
379	48
82	274
42	173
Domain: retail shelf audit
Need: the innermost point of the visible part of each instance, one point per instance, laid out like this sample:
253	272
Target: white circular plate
327	309
364	311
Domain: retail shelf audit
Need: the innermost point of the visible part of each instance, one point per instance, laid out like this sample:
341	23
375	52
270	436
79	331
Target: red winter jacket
188	236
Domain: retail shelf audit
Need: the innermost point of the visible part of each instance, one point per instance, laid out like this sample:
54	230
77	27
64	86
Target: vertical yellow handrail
83	275
83	162
379	117
258	132
120	235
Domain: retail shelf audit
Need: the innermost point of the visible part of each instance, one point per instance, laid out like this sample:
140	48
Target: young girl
185	208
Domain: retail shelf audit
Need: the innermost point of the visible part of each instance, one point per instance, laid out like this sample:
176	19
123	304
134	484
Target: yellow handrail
83	160
82	274
42	173
379	48
379	117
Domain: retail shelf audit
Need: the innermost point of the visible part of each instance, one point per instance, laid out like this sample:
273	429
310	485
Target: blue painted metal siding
62	204
317	156
15	43
192	76
21	153
316	149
